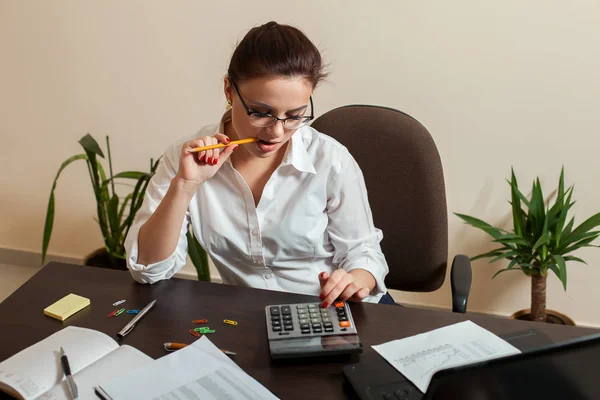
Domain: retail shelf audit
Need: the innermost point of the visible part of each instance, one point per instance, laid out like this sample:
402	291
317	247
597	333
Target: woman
288	212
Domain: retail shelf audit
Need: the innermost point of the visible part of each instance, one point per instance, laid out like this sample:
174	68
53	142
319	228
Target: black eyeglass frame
304	119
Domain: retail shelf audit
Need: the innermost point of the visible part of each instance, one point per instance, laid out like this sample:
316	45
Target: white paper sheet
198	371
419	357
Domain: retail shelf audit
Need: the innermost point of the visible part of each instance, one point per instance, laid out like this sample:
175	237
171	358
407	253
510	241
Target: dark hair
273	49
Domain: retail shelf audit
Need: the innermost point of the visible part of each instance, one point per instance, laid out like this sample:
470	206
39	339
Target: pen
67	369
221	145
177	346
129	327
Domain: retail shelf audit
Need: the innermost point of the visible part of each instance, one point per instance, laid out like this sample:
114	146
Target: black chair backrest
405	183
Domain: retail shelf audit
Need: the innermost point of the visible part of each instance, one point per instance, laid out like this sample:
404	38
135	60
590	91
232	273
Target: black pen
70	382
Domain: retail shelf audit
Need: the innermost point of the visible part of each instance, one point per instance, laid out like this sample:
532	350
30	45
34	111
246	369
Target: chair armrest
460	280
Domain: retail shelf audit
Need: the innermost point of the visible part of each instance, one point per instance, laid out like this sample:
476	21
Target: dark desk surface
22	323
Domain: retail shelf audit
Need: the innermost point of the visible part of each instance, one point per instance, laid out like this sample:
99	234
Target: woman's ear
228	90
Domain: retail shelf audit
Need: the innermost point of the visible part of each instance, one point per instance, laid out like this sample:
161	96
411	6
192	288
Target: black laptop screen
562	372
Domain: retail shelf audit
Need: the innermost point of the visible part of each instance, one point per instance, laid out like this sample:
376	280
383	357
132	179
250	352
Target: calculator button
275	318
286	310
304	326
276	323
315	321
326	320
329	329
288	327
277	329
316	326
342	319
324	312
344	324
327	324
318	330
287	317
302	312
305	331
274	310
339	304
304	320
313	306
301	307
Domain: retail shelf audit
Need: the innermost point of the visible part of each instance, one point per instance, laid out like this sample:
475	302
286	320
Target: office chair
405	183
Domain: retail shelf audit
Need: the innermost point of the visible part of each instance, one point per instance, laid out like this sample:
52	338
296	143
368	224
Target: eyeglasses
264	120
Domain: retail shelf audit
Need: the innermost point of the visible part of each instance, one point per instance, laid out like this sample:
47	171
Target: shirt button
255	232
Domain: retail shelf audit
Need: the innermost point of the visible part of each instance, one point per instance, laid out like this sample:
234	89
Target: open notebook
36	373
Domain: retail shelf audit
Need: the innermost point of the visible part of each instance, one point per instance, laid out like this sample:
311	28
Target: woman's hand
195	168
343	285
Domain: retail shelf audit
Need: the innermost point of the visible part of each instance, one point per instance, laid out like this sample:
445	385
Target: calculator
308	330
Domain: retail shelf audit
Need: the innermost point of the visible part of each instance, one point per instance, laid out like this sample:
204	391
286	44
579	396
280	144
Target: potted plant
542	239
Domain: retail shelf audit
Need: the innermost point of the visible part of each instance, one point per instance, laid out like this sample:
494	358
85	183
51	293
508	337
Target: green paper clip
204	329
121	311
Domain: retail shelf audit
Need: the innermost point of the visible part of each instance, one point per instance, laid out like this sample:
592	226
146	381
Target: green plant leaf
542	240
484	226
576	259
492	253
113	216
504	270
49	224
572	238
581	243
562	270
90	145
562	217
567	231
198	256
517	212
508	240
131	175
585	226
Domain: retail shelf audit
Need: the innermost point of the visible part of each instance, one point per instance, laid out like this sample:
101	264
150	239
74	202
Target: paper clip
119	312
230	322
193	332
203	329
116	303
200	321
133	311
112	314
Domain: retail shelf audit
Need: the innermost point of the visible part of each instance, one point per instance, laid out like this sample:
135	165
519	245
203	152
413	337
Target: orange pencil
176	346
221	145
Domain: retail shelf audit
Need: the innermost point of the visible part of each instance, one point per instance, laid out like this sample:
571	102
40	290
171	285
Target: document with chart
419	357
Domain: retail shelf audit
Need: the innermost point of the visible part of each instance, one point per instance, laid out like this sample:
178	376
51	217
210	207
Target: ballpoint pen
129	327
176	346
67	369
221	145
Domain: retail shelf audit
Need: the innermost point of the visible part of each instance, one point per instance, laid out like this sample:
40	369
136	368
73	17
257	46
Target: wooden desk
23	323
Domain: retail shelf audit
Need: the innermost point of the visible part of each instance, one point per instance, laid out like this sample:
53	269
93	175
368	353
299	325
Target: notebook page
37	368
198	371
119	362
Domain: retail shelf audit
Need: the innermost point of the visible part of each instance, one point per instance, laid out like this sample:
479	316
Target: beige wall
497	84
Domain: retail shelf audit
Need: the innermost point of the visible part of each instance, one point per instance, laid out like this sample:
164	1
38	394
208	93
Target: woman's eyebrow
263	105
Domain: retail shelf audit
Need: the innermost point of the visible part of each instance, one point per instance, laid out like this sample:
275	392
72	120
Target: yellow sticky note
66	306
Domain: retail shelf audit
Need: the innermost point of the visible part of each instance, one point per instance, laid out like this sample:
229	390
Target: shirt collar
295	155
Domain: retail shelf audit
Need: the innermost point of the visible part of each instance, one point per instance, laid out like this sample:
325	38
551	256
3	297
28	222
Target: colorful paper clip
193	332
116	303
200	321
112	314
204	329
121	311
230	322
133	311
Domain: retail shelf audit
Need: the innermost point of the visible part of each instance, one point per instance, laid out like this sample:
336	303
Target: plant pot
552	317
101	258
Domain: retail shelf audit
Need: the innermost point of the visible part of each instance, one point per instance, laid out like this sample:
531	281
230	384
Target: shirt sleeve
155	192
351	230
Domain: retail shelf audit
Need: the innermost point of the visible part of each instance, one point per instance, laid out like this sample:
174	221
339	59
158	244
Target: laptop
568	370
